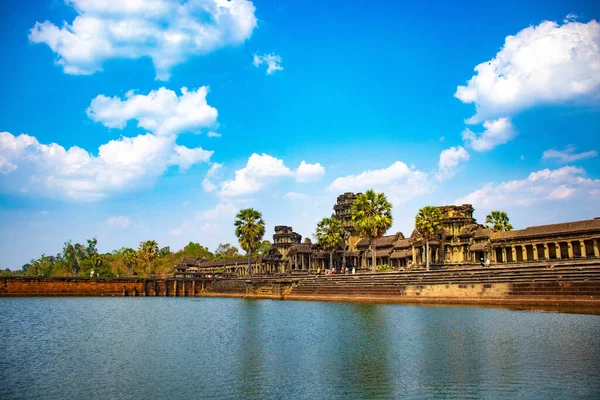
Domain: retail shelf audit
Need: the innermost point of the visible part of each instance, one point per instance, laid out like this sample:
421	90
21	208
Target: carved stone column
570	250
596	250
504	260
546	253
558	252
582	247
514	253
535	251
524	251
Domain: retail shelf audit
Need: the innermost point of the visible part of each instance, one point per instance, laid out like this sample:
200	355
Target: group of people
485	263
333	271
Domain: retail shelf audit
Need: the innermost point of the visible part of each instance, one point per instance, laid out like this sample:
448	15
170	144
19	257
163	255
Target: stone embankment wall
573	285
576	285
21	286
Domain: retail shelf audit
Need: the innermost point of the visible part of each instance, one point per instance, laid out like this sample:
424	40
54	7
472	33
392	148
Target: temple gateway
462	242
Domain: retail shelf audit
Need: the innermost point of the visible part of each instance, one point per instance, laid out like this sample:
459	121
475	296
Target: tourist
487	262
91	273
353	270
482	263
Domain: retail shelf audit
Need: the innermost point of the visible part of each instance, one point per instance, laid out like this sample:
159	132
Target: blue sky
287	105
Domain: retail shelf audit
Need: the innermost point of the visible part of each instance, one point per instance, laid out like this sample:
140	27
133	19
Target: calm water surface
169	348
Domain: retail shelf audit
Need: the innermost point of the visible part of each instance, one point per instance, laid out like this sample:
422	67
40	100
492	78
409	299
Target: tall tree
428	224
225	251
249	229
498	221
372	217
148	251
330	234
71	256
129	259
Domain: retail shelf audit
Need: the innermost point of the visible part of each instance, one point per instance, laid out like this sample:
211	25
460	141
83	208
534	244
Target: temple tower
343	212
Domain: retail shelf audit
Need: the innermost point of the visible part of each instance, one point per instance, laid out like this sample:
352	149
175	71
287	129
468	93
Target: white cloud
309	172
258	171
213	134
272	60
161	111
185	157
544	64
449	160
294	196
496	133
51	170
168	32
568	154
207	183
564	183
214	220
262	169
120	221
399	182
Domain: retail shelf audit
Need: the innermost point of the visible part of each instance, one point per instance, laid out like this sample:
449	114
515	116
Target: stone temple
461	243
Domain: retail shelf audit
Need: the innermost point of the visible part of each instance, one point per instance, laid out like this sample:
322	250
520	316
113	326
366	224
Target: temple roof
591	225
402	243
401	254
483	233
468	230
478	246
385	241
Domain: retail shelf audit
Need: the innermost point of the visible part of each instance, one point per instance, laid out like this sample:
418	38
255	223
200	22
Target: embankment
566	285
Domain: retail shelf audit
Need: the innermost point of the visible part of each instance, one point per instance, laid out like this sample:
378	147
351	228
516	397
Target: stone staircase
575	279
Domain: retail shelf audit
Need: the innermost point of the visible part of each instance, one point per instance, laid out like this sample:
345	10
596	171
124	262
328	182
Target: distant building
461	242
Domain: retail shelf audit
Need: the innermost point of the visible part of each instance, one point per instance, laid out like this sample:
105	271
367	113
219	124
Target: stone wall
20	286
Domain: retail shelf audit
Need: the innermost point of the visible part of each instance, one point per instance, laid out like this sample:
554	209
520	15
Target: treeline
149	259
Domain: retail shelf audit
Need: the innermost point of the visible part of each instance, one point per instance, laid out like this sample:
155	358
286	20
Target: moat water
183	348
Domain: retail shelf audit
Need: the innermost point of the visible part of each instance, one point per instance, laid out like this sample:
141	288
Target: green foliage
498	221
371	216
226	251
147	252
428	222
164	251
384	268
330	233
264	247
428	225
249	229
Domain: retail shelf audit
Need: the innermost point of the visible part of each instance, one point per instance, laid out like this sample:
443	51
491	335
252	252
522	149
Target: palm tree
148	251
249	229
129	259
372	217
428	224
330	234
498	221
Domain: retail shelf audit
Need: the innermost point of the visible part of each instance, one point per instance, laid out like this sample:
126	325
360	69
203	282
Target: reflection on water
130	348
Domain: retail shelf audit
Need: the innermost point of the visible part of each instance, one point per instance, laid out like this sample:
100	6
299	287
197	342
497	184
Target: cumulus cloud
496	133
214	220
262	169
449	160
272	60
167	31
564	183
544	64
184	157
213	134
568	154
51	170
400	182
161	111
120	221
309	172
212	173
